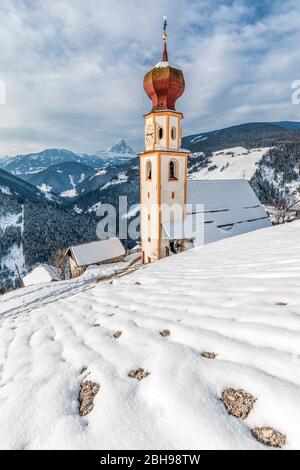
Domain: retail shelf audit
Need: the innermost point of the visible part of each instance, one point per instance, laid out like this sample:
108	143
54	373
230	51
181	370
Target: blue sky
74	70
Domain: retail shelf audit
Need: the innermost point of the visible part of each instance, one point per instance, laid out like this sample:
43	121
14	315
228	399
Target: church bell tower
163	164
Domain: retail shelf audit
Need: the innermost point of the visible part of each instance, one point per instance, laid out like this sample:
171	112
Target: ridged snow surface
238	298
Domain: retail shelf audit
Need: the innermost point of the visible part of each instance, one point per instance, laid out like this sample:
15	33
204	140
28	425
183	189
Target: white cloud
74	70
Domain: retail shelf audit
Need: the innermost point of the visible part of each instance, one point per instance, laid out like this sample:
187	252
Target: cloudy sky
74	69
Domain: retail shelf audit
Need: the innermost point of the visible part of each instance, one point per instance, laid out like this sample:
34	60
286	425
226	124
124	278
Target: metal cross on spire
165	28
165	53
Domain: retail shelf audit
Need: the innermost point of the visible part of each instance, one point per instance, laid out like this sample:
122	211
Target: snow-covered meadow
238	298
231	163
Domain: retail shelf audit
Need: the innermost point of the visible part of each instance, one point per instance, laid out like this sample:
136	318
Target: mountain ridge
273	171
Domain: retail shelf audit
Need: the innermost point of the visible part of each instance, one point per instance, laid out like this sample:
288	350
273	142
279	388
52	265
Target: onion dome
164	83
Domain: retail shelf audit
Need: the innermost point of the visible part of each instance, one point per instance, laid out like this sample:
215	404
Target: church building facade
178	213
163	164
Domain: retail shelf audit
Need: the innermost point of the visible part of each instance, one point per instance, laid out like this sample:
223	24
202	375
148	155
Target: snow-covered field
32	297
223	298
232	163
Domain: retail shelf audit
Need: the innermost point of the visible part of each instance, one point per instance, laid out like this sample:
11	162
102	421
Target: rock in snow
238	403
88	391
138	374
165	333
225	295
209	355
269	437
117	334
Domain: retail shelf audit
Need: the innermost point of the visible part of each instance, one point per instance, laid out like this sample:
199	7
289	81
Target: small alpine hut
99	252
40	274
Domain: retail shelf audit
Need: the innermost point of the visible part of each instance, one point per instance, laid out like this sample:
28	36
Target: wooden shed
99	252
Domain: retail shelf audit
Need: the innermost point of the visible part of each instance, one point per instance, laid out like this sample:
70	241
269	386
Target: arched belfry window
173	170
173	133
148	170
160	133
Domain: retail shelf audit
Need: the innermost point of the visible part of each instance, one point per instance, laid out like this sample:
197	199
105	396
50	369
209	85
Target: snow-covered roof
96	252
40	274
162	65
218	209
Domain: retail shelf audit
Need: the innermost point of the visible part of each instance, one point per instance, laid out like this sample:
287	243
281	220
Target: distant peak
121	147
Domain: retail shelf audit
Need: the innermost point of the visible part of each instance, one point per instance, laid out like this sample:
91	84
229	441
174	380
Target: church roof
164	83
218	209
96	252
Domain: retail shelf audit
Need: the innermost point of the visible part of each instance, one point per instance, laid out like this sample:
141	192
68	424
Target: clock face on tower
149	134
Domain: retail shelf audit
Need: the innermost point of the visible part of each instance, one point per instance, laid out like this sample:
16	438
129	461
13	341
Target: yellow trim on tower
158	181
179	133
166	112
168	132
164	151
141	203
185	182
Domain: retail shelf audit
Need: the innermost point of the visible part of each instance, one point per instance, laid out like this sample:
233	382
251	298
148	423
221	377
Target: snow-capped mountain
120	150
272	168
4	160
33	163
58	171
121	147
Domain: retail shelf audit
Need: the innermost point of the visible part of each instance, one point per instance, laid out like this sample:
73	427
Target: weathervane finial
165	28
165	53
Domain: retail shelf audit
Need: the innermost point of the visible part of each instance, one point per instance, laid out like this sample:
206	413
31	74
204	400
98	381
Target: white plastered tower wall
170	123
161	194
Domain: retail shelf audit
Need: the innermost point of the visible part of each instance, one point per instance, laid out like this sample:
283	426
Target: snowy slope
231	163
221	298
61	179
